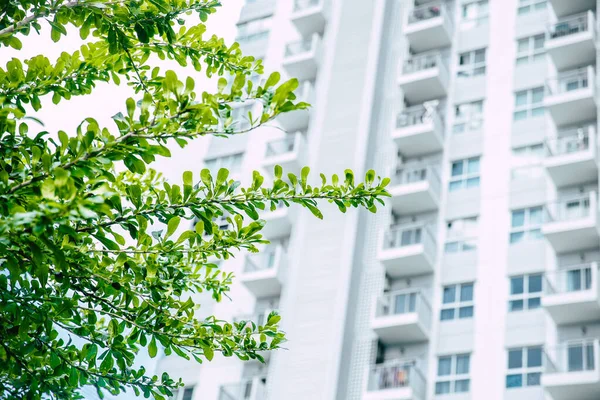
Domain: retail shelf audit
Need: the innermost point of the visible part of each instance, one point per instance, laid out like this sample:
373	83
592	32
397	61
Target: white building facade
479	279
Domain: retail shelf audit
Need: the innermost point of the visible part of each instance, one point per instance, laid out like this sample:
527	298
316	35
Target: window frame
458	304
179	393
254	30
469	69
529	108
465	176
527	295
469	118
480	19
532	54
466	236
527	228
524	370
531	6
453	377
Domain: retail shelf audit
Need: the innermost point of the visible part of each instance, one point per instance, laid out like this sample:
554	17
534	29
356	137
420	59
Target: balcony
301	58
571	96
298	120
288	152
248	389
401	317
572	371
572	157
419	130
408	250
278	222
572	294
572	225
568	7
308	16
263	273
395	380
429	26
571	41
424	77
415	190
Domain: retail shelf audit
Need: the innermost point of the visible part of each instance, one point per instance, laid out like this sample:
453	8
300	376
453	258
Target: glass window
526	224
457	302
524	367
529	103
525	292
465	174
531	49
453	374
468	117
528	6
472	63
474	14
461	235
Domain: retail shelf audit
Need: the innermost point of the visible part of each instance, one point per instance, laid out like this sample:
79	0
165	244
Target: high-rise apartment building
479	280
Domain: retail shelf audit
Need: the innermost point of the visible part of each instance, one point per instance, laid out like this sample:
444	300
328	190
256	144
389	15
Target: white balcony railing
427	11
408	235
569	81
265	260
301	5
406	176
569	142
424	61
571	25
303	46
396	374
577	278
282	146
571	209
417	115
248	389
573	356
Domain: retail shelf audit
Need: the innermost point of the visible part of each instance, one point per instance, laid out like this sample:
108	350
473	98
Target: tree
91	253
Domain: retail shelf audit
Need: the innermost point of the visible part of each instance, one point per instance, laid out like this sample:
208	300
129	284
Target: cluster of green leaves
101	256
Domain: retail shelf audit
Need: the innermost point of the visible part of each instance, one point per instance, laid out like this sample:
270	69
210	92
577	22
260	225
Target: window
528	155
461	235
183	394
471	63
525	292
232	162
527	6
530	49
254	30
529	103
457	302
453	374
468	116
526	223
464	174
474	14
240	114
524	367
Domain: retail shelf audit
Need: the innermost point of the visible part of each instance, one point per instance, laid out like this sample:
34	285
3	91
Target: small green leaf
172	226
152	349
278	171
199	227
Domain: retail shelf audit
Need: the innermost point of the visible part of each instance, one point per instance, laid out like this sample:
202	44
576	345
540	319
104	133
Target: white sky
108	99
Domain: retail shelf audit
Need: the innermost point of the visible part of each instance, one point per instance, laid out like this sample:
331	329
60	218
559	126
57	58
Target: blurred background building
479	280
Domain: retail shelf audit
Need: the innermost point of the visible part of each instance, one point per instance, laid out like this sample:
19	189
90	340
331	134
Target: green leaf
188	178
208	353
152	348
130	107
222	176
273	80
172	226
278	171
199	228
